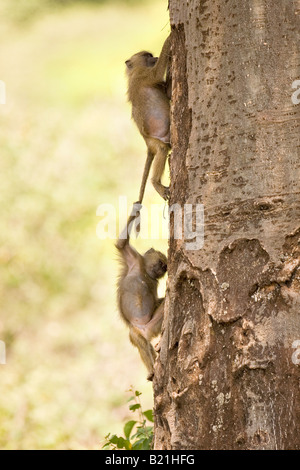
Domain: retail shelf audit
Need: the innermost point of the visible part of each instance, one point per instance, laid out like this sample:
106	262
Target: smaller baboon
138	302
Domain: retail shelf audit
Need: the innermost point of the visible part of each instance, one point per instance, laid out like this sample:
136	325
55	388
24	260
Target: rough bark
225	378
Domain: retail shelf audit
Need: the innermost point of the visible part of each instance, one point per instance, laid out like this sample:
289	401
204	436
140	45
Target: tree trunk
228	376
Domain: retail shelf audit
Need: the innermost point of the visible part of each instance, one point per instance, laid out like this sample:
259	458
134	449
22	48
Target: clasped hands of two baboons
138	302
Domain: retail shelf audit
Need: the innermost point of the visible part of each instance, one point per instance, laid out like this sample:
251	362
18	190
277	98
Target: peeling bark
225	377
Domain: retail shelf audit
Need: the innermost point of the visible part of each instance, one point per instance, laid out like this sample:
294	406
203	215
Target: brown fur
149	95
138	302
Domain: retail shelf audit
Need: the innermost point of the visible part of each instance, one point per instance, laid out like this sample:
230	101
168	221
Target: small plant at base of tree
138	435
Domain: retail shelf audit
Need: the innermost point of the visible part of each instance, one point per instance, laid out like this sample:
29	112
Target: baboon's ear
128	64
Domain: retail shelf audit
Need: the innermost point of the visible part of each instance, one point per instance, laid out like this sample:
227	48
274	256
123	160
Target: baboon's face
141	59
155	263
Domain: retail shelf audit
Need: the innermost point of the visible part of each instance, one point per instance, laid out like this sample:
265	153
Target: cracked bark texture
225	378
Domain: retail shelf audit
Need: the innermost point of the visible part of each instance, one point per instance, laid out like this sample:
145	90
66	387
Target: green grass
67	145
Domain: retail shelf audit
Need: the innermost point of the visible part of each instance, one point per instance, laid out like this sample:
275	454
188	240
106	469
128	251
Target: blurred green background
67	145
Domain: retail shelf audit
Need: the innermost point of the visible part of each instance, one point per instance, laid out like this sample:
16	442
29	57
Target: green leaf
122	443
137	445
114	439
135	407
142	444
149	429
137	394
147	444
128	428
106	445
149	415
128	445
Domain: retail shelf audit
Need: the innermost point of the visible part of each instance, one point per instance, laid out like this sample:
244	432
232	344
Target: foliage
143	435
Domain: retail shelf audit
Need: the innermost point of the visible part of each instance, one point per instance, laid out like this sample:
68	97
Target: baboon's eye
162	265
